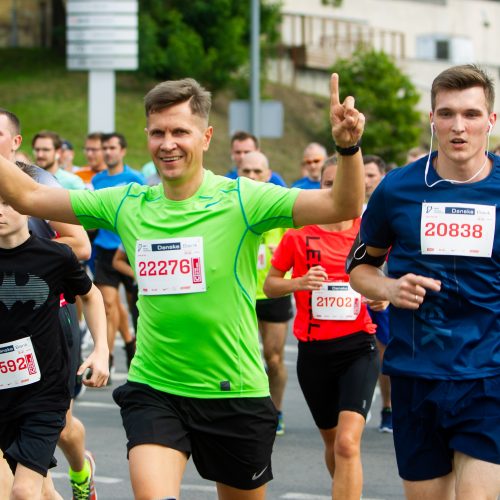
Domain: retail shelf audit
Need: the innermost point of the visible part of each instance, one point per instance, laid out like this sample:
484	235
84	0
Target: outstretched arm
28	197
344	200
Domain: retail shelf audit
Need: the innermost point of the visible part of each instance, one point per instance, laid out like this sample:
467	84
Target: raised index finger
334	89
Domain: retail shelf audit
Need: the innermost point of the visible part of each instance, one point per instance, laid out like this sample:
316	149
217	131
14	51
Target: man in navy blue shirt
441	218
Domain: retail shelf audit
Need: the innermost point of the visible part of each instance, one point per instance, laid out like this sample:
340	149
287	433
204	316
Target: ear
207	137
16	142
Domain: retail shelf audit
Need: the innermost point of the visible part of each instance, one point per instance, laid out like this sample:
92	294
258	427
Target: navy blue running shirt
455	334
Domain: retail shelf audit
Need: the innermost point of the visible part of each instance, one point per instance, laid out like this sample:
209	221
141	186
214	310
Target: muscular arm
30	198
407	292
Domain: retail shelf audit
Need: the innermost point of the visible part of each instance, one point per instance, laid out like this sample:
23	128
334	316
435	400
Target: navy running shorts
231	439
278	310
381	319
434	418
338	375
31	440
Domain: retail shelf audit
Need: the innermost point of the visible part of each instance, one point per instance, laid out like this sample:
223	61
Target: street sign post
102	37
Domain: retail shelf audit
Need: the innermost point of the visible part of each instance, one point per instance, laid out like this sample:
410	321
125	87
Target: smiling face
177	140
461	123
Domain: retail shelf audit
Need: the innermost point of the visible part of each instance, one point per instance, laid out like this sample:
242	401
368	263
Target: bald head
255	165
312	160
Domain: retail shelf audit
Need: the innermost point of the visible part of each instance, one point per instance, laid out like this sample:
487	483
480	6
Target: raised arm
28	197
345	200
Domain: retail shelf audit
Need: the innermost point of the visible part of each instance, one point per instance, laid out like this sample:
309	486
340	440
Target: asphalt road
298	466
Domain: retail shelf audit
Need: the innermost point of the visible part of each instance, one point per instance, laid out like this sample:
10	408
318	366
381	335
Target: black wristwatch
350	151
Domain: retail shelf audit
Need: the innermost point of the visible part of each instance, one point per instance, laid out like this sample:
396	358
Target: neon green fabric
198	344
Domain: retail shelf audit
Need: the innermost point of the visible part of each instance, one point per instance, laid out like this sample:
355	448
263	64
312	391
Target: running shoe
386	420
280	430
86	489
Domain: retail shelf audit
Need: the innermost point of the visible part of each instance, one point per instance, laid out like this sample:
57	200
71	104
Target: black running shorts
231	439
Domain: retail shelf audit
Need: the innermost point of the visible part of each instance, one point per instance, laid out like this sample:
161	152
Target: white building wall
475	24
478	20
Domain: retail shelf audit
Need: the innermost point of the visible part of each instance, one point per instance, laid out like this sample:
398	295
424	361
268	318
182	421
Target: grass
35	85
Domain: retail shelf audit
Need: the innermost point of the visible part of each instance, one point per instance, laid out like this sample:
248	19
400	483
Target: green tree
208	41
388	99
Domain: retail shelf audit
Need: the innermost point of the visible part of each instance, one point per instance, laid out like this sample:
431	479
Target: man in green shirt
196	384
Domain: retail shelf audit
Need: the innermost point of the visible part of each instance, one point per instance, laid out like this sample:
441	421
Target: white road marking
97	479
95	404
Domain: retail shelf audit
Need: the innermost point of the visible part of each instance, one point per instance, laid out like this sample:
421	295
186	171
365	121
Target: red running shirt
301	249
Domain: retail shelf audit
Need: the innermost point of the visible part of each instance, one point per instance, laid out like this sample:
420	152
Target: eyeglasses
312	161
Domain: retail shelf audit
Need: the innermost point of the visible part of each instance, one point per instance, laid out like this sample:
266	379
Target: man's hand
347	122
408	292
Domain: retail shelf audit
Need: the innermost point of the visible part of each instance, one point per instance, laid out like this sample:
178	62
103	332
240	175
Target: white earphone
490	127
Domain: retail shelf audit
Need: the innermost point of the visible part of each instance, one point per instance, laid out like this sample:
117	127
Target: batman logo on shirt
35	289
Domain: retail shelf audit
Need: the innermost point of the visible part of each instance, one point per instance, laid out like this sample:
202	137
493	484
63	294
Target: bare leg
156	471
476	479
226	492
273	341
27	484
6	478
344	464
328	436
432	489
72	441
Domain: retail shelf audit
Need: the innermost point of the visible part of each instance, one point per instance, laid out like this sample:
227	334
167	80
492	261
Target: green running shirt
202	345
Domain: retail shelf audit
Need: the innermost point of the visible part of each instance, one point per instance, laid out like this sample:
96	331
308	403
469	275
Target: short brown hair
241	135
15	124
48	134
462	78
173	92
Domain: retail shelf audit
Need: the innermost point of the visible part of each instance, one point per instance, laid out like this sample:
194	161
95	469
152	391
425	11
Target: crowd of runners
390	275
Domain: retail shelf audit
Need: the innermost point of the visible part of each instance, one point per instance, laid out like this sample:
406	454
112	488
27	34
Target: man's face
461	120
11	222
177	140
240	148
373	176
254	168
113	152
9	140
45	153
312	162
94	154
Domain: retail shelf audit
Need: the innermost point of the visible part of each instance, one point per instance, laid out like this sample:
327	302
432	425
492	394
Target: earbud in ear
432	127
490	127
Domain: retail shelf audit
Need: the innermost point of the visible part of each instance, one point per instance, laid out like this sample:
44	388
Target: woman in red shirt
337	364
